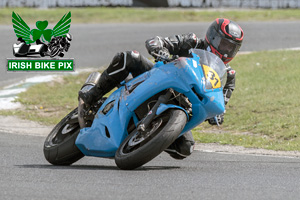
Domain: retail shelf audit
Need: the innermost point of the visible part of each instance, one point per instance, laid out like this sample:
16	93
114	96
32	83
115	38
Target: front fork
143	125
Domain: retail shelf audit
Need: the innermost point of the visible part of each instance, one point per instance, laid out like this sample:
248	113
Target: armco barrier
274	4
152	3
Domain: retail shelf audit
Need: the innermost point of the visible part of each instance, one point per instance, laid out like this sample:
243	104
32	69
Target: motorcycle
143	116
59	45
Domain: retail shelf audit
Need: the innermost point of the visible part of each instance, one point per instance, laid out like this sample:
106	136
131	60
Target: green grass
133	15
264	108
263	111
49	102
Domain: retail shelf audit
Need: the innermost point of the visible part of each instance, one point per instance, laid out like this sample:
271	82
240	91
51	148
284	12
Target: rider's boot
105	84
109	79
182	147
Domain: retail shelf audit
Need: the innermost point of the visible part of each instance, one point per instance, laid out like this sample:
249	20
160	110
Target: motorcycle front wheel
139	148
54	51
59	146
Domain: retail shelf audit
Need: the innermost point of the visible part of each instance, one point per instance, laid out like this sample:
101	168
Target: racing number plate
212	76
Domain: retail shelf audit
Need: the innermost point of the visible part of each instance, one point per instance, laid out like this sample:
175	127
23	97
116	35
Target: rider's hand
217	120
164	54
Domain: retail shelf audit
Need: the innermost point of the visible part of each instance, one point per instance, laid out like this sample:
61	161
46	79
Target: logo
41	48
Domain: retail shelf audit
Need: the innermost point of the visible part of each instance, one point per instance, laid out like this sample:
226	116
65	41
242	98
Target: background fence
274	4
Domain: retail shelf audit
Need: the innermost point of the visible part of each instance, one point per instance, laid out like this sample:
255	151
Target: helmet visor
224	46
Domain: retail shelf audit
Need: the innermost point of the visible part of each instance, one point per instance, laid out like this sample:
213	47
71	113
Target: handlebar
156	55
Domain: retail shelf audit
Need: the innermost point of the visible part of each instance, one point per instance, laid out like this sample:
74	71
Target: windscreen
213	68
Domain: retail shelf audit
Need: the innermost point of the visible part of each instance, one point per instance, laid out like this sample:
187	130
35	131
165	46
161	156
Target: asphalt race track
25	174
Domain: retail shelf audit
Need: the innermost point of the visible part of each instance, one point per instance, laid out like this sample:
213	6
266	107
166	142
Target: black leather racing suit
131	62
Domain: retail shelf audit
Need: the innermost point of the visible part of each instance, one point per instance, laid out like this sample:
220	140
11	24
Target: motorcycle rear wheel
139	148
59	146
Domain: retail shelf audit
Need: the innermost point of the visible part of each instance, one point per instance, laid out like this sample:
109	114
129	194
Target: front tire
54	51
139	148
59	146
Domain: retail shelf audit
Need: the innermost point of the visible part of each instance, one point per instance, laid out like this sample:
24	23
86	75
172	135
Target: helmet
69	37
224	38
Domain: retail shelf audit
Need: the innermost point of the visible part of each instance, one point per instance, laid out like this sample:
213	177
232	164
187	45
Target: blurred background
103	27
275	4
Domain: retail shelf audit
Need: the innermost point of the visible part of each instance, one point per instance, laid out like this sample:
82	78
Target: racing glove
164	54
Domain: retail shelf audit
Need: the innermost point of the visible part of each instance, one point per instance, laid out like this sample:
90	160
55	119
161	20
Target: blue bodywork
184	75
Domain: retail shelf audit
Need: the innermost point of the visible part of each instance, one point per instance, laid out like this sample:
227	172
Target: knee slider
118	60
134	54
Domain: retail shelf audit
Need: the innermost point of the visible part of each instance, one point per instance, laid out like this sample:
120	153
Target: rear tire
138	149
59	146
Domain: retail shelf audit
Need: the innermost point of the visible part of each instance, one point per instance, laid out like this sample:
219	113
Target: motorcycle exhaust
91	81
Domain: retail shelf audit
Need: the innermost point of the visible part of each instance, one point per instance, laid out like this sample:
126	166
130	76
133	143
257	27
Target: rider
64	41
223	38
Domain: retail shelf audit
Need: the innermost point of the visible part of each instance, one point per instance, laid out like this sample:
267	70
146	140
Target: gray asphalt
25	174
94	45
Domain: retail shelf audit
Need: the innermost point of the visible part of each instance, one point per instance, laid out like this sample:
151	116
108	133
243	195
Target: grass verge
47	103
263	111
132	15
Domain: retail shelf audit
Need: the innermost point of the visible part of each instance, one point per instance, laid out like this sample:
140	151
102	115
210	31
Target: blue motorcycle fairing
163	107
184	75
178	75
102	139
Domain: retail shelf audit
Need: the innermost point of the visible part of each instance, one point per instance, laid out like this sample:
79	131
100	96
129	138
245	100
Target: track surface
26	175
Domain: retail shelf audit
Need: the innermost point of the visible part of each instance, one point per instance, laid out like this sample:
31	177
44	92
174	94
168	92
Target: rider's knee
123	59
118	61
